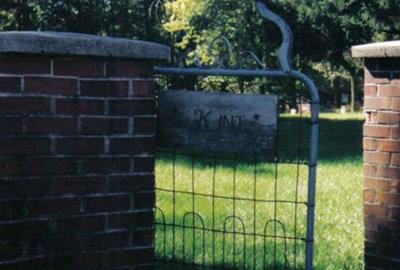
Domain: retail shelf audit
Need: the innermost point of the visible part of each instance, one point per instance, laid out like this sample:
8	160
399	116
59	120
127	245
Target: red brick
395	132
144	200
369	144
389	90
10	84
104	88
377	183
23	187
33	262
395	78
24	105
387	225
377	158
10	251
395	104
370	90
79	106
131	183
381	263
145	125
388	118
105	241
105	165
143	88
24	65
79	67
377	103
395	185
391	199
81	260
109	203
80	146
51	166
53	206
51	86
396	159
388	145
10	210
388	172
11	126
395	213
9	167
143	238
27	229
133	145
81	224
376	131
78	185
134	256
370	170
376	77
129	68
144	164
375	210
21	146
51	125
131	220
132	107
370	225
370	196
61	244
104	125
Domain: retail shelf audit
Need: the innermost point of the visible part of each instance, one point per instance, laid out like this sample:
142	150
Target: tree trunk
352	93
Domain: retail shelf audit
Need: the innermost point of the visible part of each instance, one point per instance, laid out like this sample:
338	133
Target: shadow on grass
186	266
340	139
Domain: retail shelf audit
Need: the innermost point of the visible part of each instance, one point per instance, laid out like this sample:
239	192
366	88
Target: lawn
268	213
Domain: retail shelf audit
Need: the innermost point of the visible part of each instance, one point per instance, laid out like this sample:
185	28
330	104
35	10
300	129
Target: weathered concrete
377	50
62	43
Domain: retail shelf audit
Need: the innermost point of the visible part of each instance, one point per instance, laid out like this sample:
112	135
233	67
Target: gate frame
285	71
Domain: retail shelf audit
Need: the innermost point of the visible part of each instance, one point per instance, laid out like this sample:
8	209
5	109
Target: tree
324	30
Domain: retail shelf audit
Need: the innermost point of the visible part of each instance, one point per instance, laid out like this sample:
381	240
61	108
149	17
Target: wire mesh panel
242	210
237	211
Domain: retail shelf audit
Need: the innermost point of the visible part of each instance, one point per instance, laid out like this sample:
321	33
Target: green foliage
122	18
324	30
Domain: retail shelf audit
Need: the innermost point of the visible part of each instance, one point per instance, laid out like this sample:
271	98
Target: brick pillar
77	124
381	154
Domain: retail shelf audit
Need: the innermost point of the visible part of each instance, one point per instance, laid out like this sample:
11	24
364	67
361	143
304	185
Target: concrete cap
62	43
377	50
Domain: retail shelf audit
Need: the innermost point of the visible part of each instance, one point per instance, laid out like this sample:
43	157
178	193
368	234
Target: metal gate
242	211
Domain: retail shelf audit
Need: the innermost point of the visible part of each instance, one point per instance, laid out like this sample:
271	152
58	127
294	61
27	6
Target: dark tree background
324	31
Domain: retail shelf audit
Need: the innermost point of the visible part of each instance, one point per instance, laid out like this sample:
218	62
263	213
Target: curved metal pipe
285	50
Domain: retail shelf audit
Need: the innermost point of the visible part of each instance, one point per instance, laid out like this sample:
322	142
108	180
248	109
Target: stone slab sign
218	122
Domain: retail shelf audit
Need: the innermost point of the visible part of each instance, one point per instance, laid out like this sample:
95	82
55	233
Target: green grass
338	232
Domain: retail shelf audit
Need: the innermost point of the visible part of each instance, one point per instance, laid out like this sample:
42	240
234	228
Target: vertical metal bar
213	208
173	204
193	210
234	210
276	160
312	164
299	145
255	213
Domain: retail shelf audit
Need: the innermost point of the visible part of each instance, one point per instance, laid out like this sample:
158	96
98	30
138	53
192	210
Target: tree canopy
324	30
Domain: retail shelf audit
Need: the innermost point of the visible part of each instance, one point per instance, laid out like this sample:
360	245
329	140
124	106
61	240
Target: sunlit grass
338	232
